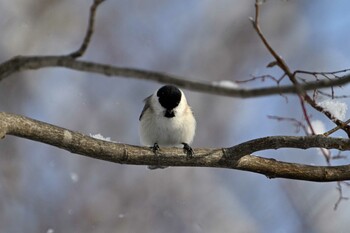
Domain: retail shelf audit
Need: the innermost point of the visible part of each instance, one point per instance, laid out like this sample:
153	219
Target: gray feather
147	106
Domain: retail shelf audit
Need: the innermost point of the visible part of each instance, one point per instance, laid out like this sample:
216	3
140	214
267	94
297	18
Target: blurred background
45	189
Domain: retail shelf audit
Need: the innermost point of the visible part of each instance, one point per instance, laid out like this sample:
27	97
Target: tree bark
236	157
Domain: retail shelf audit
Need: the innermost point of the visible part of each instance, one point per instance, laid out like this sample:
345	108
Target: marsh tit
167	120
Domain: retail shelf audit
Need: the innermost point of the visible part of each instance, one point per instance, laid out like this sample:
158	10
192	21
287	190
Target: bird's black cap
169	96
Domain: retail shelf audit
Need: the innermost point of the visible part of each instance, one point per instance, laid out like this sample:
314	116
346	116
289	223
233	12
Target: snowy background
45	189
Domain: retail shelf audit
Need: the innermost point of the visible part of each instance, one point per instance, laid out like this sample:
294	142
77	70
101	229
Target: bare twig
281	63
89	31
341	197
306	116
263	78
339	156
321	73
303	96
21	63
329	132
332	95
324	75
327	155
298	124
260	77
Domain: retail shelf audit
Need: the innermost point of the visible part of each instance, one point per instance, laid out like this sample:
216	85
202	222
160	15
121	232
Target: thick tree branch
22	63
236	157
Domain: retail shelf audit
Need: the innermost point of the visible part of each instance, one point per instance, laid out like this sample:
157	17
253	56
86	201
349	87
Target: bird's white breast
155	128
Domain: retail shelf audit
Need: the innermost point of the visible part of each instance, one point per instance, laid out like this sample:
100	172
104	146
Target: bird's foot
155	149
189	151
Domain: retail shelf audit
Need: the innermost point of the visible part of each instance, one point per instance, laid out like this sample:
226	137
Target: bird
167	120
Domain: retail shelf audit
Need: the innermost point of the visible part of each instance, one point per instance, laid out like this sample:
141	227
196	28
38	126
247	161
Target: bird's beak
169	113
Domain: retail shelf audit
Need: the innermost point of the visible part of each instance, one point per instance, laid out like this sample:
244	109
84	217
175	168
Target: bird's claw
155	148
189	151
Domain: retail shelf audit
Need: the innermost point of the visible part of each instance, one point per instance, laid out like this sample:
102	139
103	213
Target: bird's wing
147	106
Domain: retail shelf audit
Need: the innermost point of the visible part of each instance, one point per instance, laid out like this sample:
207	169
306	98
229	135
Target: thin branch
22	63
279	61
263	78
306	116
341	196
332	95
303	96
89	31
314	73
260	77
339	156
282	64
329	132
298	124
237	157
